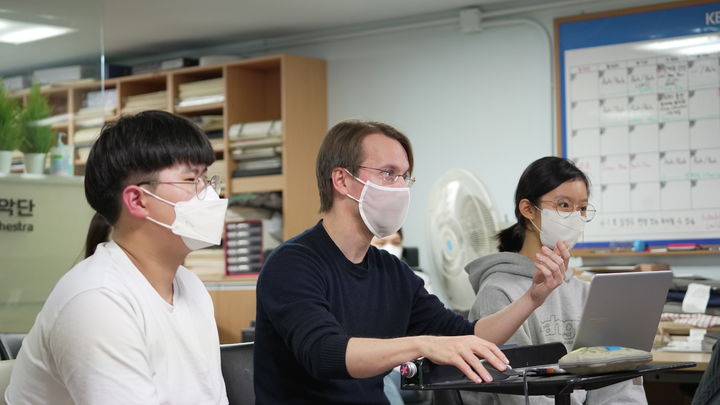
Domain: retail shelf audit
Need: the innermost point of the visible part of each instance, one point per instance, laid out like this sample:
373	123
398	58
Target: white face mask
199	222
382	209
556	228
394	250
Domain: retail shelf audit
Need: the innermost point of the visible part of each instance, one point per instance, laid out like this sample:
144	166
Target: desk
234	302
675	386
700	359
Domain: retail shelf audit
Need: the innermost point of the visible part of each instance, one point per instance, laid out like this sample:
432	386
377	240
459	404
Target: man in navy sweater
334	314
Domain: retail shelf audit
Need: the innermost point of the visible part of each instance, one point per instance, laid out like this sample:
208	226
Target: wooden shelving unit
278	87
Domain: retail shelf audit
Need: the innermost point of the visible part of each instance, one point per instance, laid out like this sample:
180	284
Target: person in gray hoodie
551	207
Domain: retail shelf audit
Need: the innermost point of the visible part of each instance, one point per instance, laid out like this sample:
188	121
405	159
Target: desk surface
700	358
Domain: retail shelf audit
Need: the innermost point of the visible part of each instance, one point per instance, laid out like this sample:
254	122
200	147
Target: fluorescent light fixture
697	50
16	32
668	44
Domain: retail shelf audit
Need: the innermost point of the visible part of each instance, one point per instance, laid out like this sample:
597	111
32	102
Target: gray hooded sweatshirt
501	278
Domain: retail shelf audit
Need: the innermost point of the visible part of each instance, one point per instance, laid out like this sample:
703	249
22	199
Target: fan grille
461	227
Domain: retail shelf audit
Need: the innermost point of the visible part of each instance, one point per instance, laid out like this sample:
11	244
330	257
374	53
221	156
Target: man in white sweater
129	324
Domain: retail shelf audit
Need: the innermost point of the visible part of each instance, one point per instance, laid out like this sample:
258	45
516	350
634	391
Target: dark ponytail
98	232
511	239
538	179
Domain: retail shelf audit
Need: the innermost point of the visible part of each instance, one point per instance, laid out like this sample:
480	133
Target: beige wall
31	261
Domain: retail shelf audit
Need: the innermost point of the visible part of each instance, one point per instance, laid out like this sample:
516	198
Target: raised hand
550	269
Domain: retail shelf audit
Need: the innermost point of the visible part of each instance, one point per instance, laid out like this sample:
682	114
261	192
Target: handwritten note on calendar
645	127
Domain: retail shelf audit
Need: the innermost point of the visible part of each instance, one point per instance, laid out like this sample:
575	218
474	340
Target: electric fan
461	225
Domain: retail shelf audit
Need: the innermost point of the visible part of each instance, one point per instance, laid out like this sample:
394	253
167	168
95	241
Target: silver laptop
623	309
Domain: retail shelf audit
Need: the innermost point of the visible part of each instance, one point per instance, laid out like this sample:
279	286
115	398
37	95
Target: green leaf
36	138
9	124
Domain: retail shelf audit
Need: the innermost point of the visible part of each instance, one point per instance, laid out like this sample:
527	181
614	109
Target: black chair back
10	345
447	397
237	368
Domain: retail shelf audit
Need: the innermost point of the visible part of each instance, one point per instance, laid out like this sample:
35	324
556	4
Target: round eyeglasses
564	208
389	177
202	184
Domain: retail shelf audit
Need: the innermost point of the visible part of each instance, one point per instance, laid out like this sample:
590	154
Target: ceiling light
16	32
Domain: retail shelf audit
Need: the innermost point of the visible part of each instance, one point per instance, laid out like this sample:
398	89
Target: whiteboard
640	115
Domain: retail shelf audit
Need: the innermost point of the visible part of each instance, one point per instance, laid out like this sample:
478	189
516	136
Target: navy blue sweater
311	300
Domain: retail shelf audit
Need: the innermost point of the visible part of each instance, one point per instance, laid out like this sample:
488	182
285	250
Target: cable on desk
525	387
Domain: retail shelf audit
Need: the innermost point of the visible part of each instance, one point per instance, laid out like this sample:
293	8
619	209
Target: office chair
5	371
10	344
236	361
410	256
446	397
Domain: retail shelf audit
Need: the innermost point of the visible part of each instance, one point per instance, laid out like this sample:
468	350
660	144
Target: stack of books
15	83
207	60
163	65
96	108
209	122
201	92
206	262
148	101
212	125
57	120
256	148
100	98
83	141
243	247
86	136
93	116
73	73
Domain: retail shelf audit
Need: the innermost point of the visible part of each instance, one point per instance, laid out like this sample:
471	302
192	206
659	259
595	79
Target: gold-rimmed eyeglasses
389	177
202	184
565	207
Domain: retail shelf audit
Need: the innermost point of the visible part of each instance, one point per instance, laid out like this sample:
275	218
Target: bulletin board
639	113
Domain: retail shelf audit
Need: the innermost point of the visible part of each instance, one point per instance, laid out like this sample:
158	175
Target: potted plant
9	129
37	138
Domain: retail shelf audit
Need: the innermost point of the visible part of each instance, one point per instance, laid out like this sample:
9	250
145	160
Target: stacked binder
65	74
243	247
163	65
206	262
212	125
201	92
97	107
148	101
256	148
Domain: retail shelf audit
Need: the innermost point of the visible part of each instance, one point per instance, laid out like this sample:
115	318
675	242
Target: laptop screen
623	309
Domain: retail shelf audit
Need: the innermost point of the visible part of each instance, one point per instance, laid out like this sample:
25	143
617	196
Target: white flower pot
34	163
5	160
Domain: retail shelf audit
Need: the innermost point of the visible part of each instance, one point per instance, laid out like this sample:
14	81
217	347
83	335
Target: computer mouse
498	375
